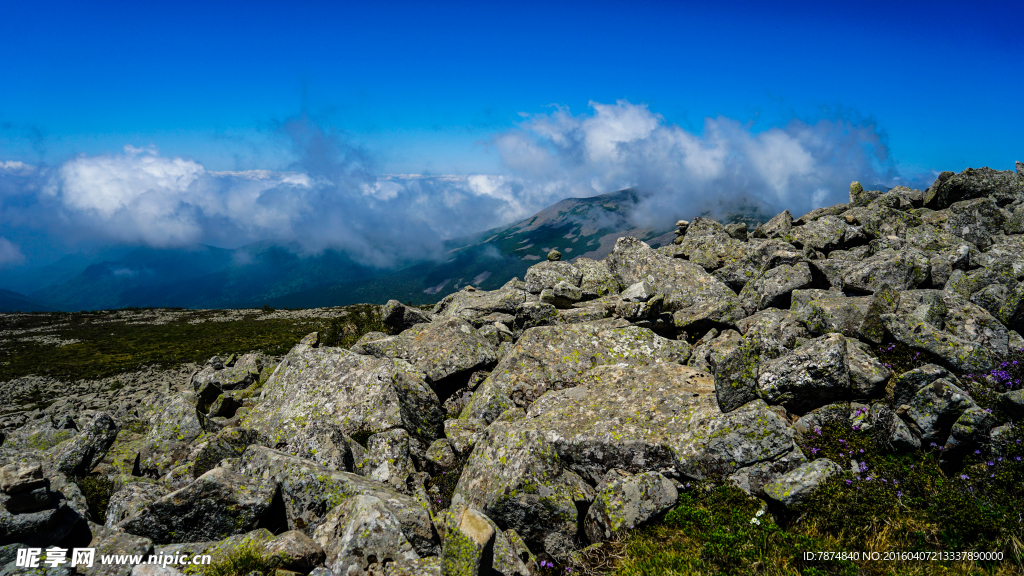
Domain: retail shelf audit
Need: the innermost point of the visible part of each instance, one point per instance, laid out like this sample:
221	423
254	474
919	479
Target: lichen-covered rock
976	221
469	546
1004	186
358	394
824	234
826	311
171	429
241	373
811	376
686	286
553	358
548	274
360	535
598	280
216	505
958	352
900	270
778	226
933	410
624	501
733	361
439	349
773	331
310	491
868	375
326	444
40	434
464	433
752	479
970	432
794	487
773	288
890	431
709	245
108	542
388	458
130	499
295	551
399	317
477	305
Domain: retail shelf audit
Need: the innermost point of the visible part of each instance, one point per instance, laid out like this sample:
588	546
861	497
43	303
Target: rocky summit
504	431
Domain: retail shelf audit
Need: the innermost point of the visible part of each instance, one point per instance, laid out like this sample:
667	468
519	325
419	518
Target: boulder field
512	427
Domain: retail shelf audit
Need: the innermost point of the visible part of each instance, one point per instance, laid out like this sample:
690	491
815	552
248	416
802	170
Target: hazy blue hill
26	280
103	285
257	275
15	302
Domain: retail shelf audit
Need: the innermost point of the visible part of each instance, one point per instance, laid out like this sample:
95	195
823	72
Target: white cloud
9	253
333	197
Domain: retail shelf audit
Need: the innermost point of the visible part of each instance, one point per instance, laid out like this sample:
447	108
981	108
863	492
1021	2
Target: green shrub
97	491
245	559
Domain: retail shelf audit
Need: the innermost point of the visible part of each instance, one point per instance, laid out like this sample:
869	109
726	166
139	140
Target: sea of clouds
333	195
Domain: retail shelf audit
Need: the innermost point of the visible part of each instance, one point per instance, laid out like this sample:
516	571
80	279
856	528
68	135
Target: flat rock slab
554	357
438	349
218	504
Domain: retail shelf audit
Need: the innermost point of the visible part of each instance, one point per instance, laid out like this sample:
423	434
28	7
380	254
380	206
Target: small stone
554	256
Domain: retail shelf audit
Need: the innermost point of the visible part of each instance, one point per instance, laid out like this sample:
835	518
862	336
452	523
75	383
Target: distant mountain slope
257	274
577	227
15	302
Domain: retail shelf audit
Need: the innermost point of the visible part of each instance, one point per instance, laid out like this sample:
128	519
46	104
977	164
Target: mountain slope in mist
258	274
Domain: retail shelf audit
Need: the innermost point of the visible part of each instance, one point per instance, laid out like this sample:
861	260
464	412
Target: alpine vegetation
801	397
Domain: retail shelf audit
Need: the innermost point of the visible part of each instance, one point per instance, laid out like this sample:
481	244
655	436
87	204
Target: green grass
245	559
110	344
97	491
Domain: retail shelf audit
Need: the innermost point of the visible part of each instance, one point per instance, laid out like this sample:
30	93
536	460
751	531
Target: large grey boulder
976	221
813	375
78	456
823	234
399	317
655	418
598	280
902	270
773	331
624	501
1003	186
216	505
688	289
360	535
825	311
794	488
933	410
969	345
388	458
171	429
773	288
107	542
130	499
356	393
469	546
439	349
554	357
295	551
480	307
549	273
310	491
709	245
236	374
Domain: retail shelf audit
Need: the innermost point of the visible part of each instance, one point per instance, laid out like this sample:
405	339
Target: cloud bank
333	196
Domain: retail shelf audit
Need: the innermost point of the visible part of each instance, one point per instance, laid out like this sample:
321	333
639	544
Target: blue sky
435	89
